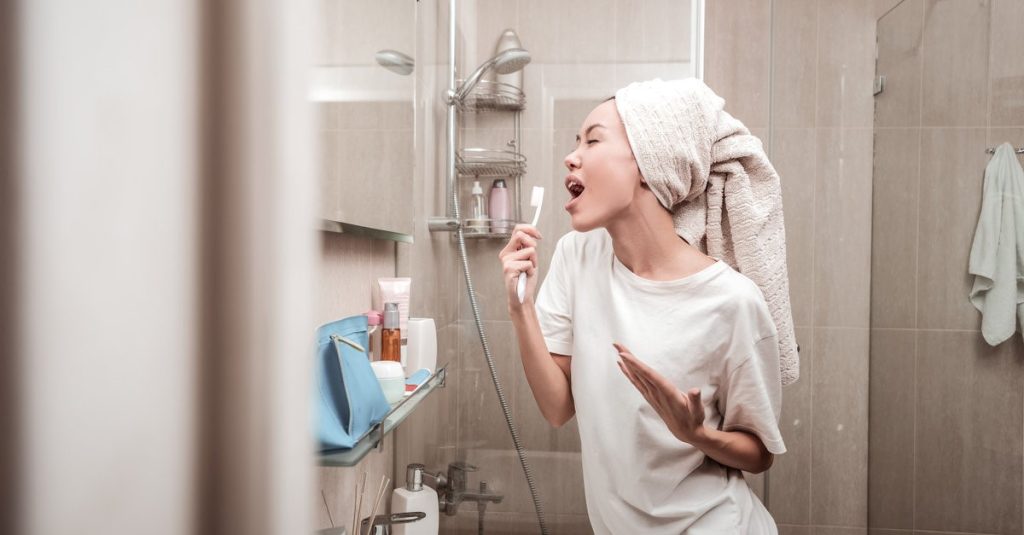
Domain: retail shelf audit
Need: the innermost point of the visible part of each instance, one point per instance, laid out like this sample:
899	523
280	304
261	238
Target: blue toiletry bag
350	401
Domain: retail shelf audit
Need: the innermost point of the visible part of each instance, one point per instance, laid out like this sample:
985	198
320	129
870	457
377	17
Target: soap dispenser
416	496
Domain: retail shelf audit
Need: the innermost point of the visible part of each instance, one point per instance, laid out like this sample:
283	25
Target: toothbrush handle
522	276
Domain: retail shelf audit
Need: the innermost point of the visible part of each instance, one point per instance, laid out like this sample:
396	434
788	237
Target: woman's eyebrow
589	128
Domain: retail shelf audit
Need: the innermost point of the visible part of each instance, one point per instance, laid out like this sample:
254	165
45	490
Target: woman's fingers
648	373
515	267
644	391
528	229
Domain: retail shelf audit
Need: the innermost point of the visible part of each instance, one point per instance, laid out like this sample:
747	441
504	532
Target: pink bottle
499	207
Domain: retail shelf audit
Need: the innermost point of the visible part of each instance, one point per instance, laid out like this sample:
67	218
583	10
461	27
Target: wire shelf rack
490	162
493	96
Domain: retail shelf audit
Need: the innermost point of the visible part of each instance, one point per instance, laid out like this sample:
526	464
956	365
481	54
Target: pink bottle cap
374	317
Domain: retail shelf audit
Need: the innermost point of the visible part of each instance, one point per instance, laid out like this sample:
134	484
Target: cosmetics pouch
350	401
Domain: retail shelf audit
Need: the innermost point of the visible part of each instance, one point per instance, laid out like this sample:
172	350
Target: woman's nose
572	161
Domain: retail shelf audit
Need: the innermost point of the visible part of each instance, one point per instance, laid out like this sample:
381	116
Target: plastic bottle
477	222
415	496
500	209
391	335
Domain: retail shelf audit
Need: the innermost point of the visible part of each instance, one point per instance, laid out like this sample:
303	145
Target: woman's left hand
683	412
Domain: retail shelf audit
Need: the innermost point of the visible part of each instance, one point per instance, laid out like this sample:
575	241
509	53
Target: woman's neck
645	241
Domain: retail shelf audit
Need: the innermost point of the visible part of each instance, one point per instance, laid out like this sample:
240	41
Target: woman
668	357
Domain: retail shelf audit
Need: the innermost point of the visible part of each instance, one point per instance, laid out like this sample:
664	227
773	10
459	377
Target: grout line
766	480
814	226
917	267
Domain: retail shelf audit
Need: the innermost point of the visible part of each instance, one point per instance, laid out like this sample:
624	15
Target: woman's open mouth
575	191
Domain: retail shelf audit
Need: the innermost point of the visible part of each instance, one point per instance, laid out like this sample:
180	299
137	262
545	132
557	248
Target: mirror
362	84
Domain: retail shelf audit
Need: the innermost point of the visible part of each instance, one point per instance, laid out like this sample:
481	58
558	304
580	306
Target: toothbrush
536	200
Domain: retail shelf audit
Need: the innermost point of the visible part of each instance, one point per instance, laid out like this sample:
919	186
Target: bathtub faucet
452	492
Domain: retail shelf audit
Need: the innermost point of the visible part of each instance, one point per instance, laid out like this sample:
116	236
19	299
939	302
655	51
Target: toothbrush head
537	200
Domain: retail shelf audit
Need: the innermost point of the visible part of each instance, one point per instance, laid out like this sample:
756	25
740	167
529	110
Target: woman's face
603	176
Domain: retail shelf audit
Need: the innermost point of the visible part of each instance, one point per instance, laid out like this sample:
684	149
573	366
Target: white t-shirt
712	330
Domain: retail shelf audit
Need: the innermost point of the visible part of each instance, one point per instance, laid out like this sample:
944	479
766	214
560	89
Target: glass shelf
340	227
399	412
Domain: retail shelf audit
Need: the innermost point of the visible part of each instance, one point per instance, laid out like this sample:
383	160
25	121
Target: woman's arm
547	373
735	449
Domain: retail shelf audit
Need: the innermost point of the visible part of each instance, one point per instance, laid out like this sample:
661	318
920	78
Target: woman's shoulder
744	297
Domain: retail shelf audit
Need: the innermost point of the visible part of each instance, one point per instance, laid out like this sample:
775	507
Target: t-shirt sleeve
751	396
554	302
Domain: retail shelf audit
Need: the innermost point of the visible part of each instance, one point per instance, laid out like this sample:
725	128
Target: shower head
395	61
507	62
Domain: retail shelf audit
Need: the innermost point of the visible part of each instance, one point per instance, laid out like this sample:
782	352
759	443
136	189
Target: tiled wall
947	410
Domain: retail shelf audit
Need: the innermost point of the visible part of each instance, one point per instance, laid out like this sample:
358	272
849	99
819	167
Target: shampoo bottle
500	208
416	496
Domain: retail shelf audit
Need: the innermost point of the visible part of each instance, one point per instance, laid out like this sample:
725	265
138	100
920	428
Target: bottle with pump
477	222
500	208
416	496
391	334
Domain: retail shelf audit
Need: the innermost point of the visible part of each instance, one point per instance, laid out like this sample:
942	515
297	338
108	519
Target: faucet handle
462	466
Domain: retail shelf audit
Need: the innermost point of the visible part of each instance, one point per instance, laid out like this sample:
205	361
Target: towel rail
992	150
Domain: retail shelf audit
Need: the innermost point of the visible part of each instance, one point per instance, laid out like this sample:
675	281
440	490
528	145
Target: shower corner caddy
374	438
490	96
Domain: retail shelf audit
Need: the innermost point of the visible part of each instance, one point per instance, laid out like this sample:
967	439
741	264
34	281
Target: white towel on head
725	196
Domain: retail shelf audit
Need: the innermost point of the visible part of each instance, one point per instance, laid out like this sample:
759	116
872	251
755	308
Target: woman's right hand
520	256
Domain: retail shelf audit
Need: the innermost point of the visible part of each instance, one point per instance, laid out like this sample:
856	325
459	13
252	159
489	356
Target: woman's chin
582	224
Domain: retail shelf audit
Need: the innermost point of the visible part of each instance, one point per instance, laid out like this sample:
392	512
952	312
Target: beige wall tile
891	417
649	31
842	228
790	529
952	171
955	63
484	21
352	32
969	451
881	7
1006	63
794	63
894	228
900	61
349	267
834	530
791	150
789	479
846	43
481	422
569	31
839	427
737	60
1014	136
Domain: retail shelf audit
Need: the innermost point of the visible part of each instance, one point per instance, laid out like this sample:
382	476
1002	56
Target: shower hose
490	366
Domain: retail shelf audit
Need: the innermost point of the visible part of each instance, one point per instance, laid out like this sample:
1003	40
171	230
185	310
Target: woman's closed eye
591	142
